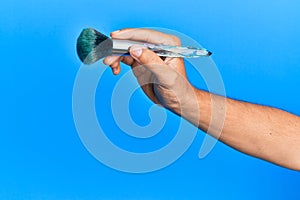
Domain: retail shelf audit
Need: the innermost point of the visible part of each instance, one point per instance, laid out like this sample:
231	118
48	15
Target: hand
163	81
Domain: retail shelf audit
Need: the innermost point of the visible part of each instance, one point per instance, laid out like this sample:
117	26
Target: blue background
255	45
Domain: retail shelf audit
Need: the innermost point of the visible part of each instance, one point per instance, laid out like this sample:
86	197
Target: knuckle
105	62
110	60
175	40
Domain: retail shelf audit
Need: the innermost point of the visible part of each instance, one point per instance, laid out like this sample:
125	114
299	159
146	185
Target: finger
115	67
136	67
109	60
114	62
152	62
146	35
128	60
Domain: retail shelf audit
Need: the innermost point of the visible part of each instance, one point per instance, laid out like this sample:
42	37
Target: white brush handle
121	47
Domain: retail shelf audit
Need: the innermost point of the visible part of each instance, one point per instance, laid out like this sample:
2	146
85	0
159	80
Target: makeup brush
93	45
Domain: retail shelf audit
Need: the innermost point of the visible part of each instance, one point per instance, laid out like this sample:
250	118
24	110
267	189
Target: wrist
196	107
188	106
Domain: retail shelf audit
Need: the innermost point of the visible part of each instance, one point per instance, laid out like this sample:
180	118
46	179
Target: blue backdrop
255	45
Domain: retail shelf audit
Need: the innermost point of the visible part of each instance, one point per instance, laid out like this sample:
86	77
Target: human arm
260	131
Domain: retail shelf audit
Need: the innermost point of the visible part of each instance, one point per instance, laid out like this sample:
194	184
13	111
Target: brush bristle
93	45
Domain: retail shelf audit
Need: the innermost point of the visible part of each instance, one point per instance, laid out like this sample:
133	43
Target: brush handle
120	47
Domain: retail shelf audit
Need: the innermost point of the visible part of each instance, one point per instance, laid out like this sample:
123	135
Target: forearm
264	132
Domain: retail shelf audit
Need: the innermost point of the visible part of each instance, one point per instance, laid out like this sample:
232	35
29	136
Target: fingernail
136	51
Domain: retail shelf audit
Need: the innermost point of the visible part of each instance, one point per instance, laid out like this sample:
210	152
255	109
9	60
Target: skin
260	131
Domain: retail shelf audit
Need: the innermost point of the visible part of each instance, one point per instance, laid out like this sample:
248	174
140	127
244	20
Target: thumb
149	59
